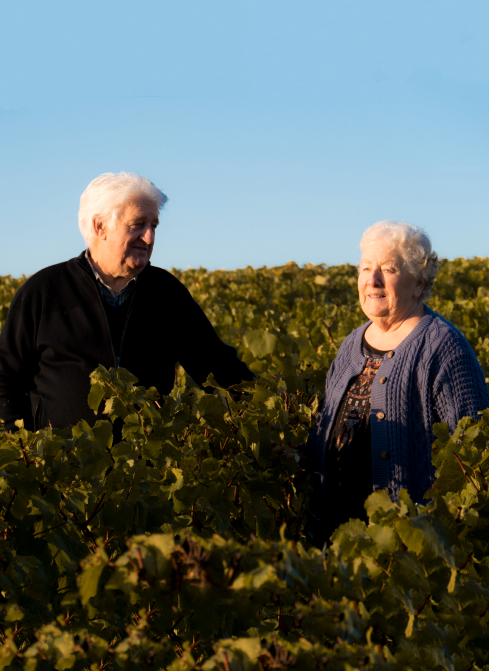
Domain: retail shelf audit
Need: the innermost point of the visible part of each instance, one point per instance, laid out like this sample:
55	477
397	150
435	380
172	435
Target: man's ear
99	228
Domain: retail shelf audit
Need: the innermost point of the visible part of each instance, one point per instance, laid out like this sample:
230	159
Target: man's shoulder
40	279
165	280
47	278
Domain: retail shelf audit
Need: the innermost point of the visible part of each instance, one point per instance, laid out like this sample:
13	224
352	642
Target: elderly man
109	306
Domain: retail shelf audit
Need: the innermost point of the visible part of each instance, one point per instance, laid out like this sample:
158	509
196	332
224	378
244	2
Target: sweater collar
420	328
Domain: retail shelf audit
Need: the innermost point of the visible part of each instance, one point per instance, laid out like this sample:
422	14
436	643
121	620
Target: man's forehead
141	207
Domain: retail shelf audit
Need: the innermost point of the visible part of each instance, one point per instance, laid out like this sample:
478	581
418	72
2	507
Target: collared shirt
111	297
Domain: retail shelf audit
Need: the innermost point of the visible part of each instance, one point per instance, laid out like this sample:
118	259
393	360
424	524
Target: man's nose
148	236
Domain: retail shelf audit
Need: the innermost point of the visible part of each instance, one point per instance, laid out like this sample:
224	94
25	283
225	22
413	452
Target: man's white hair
106	197
413	247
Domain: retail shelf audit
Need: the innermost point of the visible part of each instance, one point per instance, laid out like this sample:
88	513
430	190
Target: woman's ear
419	288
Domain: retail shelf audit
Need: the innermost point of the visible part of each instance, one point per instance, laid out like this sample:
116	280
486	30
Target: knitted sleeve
459	388
312	442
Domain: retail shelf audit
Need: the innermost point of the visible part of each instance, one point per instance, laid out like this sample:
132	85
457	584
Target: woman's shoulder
443	336
352	342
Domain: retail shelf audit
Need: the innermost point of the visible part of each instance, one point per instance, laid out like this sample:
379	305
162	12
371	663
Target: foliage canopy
180	543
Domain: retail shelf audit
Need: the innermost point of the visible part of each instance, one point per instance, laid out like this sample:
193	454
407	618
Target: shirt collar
114	294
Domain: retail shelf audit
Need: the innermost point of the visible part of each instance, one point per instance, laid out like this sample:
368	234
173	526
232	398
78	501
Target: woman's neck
384	336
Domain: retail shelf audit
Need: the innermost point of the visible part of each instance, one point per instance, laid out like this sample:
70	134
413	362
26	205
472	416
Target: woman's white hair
413	247
106	197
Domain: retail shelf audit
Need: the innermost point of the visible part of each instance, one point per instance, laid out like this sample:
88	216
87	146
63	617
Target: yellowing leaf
260	343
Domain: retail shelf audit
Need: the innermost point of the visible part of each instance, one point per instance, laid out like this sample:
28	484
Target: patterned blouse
349	459
353	417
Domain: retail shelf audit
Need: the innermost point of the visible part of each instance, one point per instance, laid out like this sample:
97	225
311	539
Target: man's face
130	244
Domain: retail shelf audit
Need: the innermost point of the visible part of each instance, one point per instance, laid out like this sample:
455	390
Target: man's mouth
376	295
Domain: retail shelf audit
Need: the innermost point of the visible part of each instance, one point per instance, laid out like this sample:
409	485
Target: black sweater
57	332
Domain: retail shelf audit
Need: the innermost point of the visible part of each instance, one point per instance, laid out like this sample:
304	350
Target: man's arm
16	360
203	352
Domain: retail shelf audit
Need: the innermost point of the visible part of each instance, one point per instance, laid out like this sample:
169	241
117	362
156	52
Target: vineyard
182	546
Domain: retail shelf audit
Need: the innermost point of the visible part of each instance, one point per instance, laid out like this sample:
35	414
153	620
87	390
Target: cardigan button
385	454
382	380
390	354
380	415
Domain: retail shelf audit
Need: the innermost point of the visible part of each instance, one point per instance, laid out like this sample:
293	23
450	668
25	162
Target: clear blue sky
278	129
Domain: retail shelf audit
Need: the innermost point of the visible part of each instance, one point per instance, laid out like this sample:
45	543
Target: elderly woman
393	378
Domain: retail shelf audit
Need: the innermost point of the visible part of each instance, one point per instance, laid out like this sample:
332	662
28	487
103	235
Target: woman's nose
375	278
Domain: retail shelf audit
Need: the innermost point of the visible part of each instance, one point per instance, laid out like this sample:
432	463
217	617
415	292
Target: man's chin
138	262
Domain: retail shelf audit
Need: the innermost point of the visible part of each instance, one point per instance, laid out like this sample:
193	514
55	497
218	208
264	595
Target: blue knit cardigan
432	376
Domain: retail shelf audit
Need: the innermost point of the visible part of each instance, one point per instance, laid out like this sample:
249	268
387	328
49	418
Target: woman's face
387	291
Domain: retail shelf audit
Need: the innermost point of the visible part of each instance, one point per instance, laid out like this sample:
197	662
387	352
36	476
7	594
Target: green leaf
441	431
384	537
212	409
412	537
97	392
377	504
8	455
89	579
257	579
260	343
